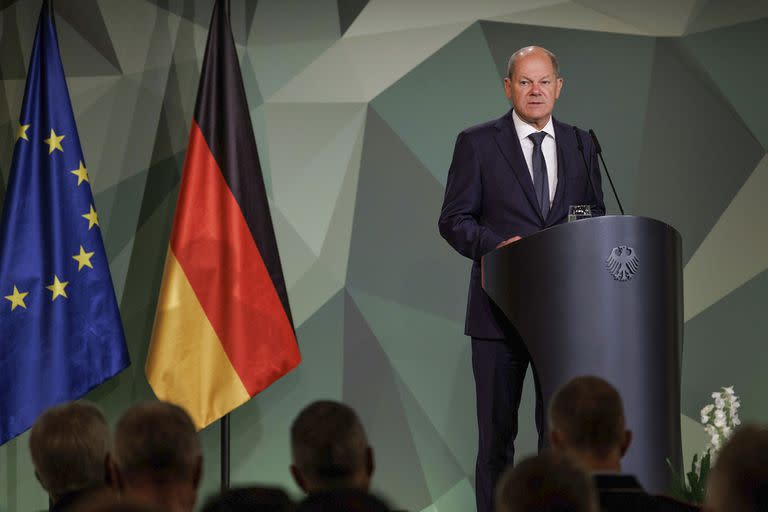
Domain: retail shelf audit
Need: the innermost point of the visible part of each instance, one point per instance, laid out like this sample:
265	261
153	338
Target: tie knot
537	137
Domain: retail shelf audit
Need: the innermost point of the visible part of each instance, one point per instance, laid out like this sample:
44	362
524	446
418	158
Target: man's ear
626	441
299	479
557	439
197	474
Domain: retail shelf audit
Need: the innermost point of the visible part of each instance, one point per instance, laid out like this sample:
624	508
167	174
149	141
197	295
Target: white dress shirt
548	148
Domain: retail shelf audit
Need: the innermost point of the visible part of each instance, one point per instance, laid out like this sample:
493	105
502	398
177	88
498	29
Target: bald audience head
69	445
586	419
549	482
329	449
157	456
739	480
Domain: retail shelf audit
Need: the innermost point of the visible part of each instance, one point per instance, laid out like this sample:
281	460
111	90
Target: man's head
549	482
329	449
157	455
69	445
533	84
739	480
586	418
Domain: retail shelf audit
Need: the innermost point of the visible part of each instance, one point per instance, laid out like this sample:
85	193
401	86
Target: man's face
533	88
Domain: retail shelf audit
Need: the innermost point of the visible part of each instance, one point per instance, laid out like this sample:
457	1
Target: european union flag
60	329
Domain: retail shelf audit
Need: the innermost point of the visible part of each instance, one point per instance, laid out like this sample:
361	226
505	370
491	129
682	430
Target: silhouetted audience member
157	457
250	499
70	445
586	420
739	479
548	482
342	500
329	449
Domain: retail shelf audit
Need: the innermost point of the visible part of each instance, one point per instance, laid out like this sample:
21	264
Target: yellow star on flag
81	173
17	298
93	218
83	259
21	133
54	142
58	288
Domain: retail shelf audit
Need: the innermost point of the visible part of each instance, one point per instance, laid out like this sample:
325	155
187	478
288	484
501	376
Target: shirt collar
523	129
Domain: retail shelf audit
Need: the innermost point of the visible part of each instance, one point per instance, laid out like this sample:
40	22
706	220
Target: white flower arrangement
719	418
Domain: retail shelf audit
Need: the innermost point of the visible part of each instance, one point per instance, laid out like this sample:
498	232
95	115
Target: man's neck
608	464
174	496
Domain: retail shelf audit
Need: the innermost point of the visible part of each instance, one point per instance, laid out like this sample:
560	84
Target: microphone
580	145
600	153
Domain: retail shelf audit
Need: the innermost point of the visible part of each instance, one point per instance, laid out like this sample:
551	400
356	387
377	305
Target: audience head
157	456
329	449
549	482
739	480
69	445
586	418
342	500
250	499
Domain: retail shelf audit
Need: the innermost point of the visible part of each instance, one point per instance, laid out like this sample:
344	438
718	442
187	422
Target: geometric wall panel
734	58
737	244
681	183
439	85
724	346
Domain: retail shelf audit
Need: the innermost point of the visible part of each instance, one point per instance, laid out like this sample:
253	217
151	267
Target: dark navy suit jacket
489	197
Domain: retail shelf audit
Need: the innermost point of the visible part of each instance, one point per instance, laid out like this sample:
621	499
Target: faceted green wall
356	105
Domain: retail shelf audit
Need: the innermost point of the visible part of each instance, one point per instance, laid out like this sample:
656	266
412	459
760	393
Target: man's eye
545	82
523	82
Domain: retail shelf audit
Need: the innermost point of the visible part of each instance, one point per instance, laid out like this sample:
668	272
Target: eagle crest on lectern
622	263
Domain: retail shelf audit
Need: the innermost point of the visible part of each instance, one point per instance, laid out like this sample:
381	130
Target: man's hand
508	241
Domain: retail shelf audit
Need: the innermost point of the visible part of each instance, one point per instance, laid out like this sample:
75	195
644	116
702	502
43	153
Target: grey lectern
603	296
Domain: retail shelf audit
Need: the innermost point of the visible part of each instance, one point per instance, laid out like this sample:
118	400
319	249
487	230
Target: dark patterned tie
540	180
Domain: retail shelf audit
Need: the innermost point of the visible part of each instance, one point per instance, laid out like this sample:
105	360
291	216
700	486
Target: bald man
509	178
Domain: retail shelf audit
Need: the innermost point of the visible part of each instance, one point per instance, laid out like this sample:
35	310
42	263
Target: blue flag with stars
60	328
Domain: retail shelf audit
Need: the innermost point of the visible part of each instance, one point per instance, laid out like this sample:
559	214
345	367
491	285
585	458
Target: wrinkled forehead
534	68
537	62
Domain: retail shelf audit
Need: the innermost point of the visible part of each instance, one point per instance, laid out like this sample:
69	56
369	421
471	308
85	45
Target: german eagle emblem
622	263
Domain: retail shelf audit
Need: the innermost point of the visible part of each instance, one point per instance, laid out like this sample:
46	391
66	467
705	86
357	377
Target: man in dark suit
586	421
510	178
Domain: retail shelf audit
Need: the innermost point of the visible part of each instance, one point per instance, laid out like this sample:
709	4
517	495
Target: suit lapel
509	145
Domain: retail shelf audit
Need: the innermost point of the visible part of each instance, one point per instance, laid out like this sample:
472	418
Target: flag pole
224	422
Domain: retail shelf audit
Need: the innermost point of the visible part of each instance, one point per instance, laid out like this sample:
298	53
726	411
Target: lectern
603	296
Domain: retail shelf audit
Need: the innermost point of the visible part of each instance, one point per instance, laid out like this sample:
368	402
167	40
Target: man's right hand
508	241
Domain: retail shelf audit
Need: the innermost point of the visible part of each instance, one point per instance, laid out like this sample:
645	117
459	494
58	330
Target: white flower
727	431
716	442
735	404
704	419
719	403
729	391
707	409
719	414
736	421
711	430
719	422
715	395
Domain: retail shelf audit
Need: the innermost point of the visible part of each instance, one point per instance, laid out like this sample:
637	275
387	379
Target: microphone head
598	149
579	143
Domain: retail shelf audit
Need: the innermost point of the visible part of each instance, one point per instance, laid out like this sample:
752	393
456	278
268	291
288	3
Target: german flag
223	329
